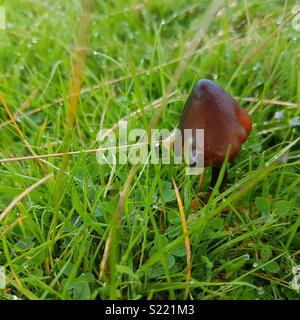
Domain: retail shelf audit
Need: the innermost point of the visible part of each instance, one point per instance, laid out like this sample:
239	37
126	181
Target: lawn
71	228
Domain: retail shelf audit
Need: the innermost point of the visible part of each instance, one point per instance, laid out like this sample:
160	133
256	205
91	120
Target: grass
145	57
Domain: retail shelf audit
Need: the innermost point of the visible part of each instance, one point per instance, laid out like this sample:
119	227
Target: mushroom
226	124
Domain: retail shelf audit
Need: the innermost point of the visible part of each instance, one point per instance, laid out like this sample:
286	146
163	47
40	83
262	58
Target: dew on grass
260	291
282	159
256	67
235	18
238	170
295	122
255	264
246	256
279	20
220	12
131	35
279	115
220	33
232	4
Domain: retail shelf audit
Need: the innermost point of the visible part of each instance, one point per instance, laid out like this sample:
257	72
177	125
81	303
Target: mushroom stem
214	177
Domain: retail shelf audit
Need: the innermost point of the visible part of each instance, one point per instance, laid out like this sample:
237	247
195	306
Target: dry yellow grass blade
78	62
186	241
24	106
22	136
69	153
296	253
21	196
276	102
20	132
115	225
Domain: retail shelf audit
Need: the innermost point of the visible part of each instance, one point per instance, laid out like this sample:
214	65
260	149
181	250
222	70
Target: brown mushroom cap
226	124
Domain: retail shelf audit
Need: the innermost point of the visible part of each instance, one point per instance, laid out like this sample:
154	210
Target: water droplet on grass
295	122
256	67
220	12
232	4
220	33
279	20
278	115
246	256
260	291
